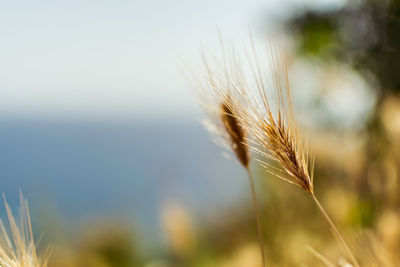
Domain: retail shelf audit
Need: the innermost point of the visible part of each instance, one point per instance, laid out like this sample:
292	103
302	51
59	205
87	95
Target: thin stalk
257	215
335	231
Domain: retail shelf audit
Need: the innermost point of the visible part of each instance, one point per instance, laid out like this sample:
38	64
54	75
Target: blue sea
77	170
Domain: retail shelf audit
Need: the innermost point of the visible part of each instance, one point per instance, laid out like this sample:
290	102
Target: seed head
218	101
268	115
19	250
236	133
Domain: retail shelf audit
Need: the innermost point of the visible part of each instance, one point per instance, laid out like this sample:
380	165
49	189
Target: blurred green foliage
364	34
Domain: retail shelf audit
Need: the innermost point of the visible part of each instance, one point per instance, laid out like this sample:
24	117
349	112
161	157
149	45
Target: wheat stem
257	215
335	231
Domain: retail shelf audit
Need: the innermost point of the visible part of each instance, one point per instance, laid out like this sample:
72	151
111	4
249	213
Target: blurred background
102	134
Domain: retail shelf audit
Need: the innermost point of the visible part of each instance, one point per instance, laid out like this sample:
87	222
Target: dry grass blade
368	246
19	250
320	257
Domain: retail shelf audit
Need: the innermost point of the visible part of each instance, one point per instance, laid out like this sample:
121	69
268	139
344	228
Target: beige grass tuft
19	248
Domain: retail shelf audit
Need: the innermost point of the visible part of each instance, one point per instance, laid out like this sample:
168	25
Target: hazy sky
111	58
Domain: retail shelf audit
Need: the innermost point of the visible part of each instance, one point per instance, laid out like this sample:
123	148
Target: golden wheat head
267	113
235	132
217	100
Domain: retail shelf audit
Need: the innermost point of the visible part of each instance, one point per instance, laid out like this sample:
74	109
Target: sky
114	59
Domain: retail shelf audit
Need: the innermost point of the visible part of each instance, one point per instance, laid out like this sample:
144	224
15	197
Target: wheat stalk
271	121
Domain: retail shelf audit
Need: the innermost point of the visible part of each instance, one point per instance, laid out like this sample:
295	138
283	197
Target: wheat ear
272	123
